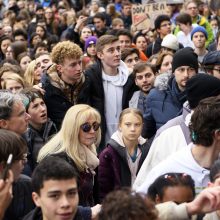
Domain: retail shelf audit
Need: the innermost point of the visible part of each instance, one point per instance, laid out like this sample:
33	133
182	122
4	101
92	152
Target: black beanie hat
201	86
185	57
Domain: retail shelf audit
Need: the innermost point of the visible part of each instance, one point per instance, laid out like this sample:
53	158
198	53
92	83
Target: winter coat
83	213
22	202
59	96
85	182
164	102
92	93
36	140
113	170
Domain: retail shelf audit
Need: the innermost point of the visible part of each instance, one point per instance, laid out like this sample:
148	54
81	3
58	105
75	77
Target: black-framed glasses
86	127
217	70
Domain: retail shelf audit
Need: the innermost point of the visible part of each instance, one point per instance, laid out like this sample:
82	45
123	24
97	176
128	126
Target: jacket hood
161	81
117	137
123	75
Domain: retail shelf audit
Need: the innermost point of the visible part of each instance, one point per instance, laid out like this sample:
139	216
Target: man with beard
144	79
165	101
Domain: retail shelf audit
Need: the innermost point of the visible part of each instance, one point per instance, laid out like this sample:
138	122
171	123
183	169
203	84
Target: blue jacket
164	102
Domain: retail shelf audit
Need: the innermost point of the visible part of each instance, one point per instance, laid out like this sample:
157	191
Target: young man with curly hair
63	80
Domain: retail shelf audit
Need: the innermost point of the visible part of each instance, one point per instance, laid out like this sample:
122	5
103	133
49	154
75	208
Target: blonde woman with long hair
76	142
32	76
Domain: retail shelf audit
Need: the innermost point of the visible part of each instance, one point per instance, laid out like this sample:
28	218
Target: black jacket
36	140
58	99
92	93
84	179
83	213
22	202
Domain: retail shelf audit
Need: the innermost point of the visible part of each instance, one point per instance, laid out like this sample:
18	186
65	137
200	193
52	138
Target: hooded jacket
113	170
93	94
164	102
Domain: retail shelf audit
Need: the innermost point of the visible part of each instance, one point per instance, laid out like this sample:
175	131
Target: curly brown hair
65	49
125	204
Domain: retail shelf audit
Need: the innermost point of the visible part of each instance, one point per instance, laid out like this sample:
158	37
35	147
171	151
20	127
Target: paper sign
143	16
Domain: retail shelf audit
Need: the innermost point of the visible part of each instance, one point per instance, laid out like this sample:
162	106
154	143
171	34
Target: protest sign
143	16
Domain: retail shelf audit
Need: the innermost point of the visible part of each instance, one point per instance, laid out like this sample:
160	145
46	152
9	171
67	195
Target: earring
194	136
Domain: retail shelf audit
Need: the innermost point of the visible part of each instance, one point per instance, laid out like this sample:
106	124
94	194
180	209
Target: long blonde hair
29	73
67	139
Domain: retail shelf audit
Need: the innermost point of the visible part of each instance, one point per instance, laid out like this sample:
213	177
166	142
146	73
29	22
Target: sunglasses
86	127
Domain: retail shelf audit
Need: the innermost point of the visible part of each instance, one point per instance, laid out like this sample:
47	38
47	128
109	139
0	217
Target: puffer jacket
113	170
164	102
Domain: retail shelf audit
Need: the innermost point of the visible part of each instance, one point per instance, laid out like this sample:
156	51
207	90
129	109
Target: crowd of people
100	120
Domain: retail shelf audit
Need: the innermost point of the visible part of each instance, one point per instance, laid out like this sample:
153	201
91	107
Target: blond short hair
65	49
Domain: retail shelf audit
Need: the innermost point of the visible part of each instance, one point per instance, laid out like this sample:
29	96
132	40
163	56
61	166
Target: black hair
19	32
159	20
158	187
100	15
52	168
124	32
139	34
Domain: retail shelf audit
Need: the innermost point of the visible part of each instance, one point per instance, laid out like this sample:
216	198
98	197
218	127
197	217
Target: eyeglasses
217	70
86	127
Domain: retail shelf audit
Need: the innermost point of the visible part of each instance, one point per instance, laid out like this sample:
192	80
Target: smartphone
7	167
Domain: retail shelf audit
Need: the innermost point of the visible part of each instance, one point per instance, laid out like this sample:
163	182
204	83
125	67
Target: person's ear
3	123
157	199
36	199
210	184
100	55
217	134
59	68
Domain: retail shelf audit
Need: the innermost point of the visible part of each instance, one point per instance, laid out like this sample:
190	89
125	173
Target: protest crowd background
109	109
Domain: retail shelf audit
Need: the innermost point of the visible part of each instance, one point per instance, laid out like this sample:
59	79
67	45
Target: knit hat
212	58
185	57
201	86
199	29
90	40
170	41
